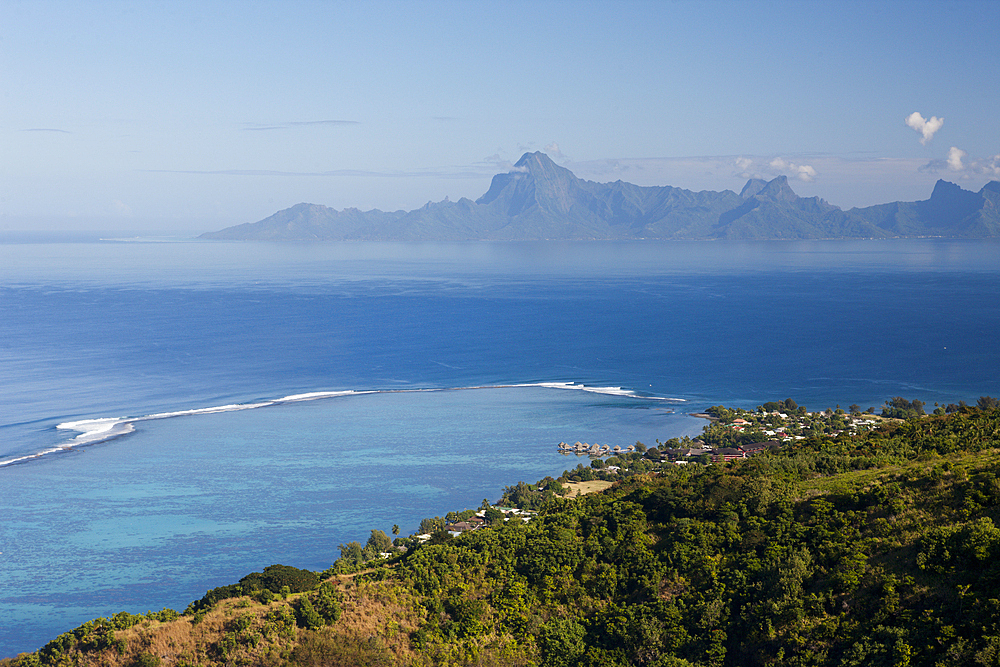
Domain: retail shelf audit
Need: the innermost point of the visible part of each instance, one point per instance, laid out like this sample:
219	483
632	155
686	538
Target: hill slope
875	549
537	199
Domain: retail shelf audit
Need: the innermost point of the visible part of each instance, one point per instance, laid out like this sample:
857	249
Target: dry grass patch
383	611
581	488
185	641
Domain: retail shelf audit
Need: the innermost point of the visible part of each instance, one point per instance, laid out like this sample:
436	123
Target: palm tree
395	529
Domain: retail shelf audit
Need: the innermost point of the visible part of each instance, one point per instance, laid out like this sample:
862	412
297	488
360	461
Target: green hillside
874	548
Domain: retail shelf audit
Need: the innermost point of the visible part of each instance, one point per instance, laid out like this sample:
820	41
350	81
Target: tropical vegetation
879	547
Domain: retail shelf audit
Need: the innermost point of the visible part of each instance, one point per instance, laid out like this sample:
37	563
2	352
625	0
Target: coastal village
736	434
730	434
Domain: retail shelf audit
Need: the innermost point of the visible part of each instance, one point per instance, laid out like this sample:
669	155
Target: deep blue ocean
399	381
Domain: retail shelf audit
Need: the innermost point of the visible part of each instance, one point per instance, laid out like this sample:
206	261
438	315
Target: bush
561	642
326	602
306	615
379	542
146	660
968	546
440	537
493	515
428	526
276	577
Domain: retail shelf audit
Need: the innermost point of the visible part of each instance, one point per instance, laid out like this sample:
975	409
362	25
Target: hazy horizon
183	118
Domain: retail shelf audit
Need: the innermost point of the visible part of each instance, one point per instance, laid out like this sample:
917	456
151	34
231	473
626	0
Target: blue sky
192	116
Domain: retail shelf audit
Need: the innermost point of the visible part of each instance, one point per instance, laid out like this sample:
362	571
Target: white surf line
317	395
94	431
91	431
610	391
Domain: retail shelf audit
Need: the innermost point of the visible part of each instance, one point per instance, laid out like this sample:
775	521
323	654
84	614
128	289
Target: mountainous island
861	541
537	200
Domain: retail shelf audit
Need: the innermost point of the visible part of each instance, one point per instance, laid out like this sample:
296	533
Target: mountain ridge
538	199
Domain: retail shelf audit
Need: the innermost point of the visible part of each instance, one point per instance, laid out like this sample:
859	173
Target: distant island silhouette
537	200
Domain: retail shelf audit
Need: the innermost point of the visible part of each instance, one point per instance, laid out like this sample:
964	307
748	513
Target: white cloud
553	150
497	163
926	128
768	169
991	166
968	168
744	167
803	172
955	156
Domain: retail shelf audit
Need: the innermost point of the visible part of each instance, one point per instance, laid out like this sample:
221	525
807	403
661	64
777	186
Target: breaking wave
94	431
